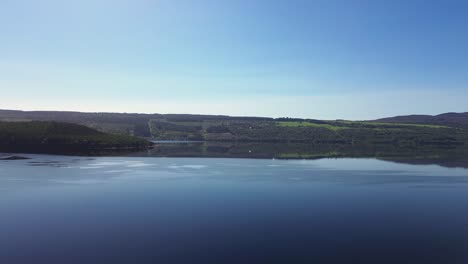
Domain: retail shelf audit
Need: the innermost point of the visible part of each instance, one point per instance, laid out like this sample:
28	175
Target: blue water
193	210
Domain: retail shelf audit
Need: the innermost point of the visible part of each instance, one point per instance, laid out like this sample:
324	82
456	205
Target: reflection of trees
443	155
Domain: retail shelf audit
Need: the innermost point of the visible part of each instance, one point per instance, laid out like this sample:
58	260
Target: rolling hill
447	119
411	131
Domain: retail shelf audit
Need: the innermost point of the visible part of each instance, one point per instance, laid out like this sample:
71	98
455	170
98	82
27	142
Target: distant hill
447	119
411	131
61	138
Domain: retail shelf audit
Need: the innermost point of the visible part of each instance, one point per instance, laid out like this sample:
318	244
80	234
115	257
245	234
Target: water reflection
51	170
447	156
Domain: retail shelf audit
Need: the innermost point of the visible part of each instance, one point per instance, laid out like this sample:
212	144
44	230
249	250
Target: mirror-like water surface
201	210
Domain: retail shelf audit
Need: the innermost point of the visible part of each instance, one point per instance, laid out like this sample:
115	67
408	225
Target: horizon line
223	115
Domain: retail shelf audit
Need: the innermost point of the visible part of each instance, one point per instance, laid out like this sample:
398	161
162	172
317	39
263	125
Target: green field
395	125
308	124
337	125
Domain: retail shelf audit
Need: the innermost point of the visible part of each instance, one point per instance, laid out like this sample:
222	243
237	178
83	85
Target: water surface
57	209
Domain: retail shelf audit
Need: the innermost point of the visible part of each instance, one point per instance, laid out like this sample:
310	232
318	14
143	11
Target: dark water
193	210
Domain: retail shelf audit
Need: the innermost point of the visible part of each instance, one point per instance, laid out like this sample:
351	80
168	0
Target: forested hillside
261	129
64	138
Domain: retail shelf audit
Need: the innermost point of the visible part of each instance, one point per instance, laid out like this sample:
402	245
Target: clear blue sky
321	59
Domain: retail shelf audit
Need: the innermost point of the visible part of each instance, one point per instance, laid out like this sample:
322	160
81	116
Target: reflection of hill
454	156
452	162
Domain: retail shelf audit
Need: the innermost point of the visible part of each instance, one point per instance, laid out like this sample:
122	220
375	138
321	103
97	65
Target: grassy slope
399	124
307	124
335	132
38	136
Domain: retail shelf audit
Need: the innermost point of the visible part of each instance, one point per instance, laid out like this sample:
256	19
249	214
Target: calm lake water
202	210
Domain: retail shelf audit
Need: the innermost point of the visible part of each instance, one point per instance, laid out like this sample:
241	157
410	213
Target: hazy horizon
155	113
320	59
